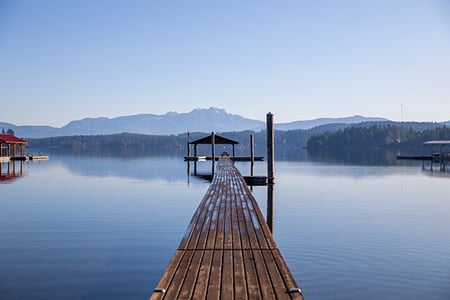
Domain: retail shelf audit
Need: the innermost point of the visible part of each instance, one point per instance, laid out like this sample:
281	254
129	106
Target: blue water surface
80	227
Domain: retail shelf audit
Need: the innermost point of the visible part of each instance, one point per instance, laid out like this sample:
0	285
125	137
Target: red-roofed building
11	146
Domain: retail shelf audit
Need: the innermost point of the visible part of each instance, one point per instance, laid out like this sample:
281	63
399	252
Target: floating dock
228	251
23	158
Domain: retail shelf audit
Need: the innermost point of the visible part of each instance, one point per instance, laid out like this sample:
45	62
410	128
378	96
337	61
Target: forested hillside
376	136
140	144
287	143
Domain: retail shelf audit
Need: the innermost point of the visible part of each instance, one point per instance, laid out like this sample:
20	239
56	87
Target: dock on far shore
440	155
12	148
5	159
228	251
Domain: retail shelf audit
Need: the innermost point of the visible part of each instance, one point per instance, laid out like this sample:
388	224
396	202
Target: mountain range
197	120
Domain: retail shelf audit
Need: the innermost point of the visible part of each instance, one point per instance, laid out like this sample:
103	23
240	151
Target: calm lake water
105	228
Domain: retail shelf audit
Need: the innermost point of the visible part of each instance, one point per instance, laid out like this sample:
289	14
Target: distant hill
197	120
308	124
30	131
212	119
205	120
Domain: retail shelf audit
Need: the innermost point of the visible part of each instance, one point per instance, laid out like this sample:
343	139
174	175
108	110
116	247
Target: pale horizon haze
67	60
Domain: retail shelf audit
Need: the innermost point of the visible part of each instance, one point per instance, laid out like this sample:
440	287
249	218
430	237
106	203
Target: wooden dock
235	158
228	251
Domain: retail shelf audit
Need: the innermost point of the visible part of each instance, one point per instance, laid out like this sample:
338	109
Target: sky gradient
66	60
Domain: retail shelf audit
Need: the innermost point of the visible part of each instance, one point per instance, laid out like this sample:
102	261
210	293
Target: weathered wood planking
228	251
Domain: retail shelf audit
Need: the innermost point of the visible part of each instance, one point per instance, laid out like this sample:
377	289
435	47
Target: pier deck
235	158
228	251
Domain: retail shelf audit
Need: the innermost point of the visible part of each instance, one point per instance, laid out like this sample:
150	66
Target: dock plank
240	284
253	287
228	251
214	285
179	276
201	288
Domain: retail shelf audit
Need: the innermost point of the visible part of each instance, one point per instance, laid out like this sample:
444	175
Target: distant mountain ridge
204	120
308	124
197	120
212	119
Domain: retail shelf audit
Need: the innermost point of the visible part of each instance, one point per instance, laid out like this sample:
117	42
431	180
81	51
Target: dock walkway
228	251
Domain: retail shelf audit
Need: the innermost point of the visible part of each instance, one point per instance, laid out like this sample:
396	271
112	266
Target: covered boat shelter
212	139
443	147
442	155
11	147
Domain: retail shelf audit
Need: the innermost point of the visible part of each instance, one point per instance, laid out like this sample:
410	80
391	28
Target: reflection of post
188	169
213	152
269	217
270	145
21	168
252	153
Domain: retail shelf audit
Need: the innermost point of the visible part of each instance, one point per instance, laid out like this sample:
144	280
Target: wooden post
195	160
252	153
232	145
188	146
188	157
213	151
432	158
423	156
269	218
270	150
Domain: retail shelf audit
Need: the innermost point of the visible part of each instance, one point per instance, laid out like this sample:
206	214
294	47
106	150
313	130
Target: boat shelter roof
438	142
10	139
217	140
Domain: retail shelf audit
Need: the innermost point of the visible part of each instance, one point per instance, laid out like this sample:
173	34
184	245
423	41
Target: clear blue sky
65	60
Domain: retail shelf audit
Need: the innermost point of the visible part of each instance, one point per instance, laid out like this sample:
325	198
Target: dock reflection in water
11	170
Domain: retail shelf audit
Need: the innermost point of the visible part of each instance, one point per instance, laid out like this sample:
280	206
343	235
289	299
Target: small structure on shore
11	147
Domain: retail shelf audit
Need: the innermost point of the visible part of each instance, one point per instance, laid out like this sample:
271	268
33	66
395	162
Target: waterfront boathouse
11	147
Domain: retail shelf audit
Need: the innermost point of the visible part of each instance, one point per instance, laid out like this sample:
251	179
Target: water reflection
140	168
105	228
370	157
11	170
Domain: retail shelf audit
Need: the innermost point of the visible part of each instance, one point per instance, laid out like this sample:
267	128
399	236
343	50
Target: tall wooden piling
213	150
188	145
269	217
270	149
252	153
188	155
270	169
